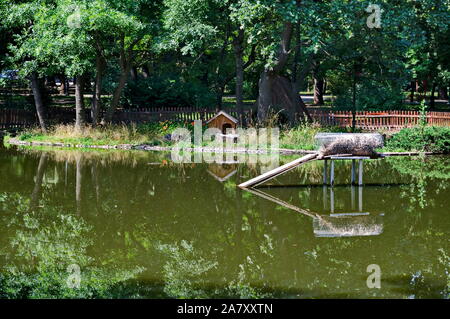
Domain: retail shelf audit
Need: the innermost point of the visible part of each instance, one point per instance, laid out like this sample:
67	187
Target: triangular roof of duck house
231	118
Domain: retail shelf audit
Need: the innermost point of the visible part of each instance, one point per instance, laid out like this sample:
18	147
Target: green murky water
136	224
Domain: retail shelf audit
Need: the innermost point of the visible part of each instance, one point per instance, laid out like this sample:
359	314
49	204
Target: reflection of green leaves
421	169
38	246
266	246
184	271
444	259
230	187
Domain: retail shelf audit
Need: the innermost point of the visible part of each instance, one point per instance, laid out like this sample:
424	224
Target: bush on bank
429	139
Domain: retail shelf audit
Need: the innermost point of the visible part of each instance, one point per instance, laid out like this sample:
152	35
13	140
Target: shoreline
143	147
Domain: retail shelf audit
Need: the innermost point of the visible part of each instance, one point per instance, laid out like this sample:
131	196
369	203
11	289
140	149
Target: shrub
164	91
429	139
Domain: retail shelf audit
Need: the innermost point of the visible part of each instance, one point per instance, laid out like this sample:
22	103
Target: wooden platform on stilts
312	157
278	171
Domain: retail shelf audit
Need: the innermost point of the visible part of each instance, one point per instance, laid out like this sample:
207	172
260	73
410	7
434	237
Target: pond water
135	224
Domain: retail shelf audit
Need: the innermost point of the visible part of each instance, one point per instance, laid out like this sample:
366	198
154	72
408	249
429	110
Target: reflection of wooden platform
334	225
348	225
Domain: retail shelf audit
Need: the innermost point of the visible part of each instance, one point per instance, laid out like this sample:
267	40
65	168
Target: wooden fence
386	120
12	119
383	120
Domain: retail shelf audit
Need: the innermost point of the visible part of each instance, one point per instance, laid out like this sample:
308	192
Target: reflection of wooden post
332	199
353	196
325	172
353	178
360	199
360	180
325	197
332	173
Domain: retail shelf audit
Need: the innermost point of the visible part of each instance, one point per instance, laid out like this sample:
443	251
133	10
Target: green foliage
429	139
370	95
166	92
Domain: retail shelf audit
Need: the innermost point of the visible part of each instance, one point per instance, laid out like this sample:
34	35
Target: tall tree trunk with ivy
125	62
275	90
36	87
79	102
239	57
100	67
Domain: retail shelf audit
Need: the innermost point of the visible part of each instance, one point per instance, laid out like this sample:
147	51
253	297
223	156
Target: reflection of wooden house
223	121
222	172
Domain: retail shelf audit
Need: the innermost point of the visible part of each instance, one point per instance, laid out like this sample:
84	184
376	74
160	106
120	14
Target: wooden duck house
223	121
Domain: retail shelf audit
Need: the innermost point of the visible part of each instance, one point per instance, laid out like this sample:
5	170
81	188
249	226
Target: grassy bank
158	134
152	134
301	137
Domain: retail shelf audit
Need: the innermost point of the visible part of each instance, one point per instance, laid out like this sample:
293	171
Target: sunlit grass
88	135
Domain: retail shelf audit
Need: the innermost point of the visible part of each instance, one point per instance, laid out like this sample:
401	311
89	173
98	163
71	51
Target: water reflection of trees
138	229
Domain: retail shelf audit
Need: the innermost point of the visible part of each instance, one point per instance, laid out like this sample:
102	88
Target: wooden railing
11	119
382	120
386	120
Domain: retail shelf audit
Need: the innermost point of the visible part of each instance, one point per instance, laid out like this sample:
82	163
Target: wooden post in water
325	172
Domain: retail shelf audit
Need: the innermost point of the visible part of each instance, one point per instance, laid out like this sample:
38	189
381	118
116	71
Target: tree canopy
196	51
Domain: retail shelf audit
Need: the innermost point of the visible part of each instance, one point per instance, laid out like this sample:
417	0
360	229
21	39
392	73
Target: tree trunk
100	66
79	102
239	56
318	83
318	91
219	96
271	80
62	88
133	74
443	92
298	78
145	71
38	101
125	60
117	93
432	99
413	89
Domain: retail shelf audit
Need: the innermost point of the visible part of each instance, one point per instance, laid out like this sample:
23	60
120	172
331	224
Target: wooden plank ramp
278	171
